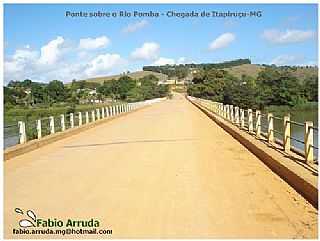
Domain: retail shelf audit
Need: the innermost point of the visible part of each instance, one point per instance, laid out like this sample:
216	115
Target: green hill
134	75
254	69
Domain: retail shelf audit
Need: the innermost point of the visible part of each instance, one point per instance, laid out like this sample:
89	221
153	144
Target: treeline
271	87
131	90
30	93
182	70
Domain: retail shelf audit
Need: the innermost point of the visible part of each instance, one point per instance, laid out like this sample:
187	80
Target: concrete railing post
236	115
93	117
231	114
107	111
250	121
117	109
87	117
102	113
51	124
80	119
111	110
98	114
22	132
114	110
286	134
71	120
63	126
270	128
242	118
228	112
258	123
39	133
308	141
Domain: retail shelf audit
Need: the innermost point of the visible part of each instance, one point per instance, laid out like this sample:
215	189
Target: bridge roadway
163	171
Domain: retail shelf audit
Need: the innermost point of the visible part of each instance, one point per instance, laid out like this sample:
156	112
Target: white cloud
288	36
285	60
102	64
133	27
94	43
164	61
53	61
223	41
51	52
20	63
148	51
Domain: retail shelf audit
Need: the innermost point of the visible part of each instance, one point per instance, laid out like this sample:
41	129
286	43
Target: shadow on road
130	142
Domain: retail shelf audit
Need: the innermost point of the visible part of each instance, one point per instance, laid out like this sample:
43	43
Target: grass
13	115
247	69
253	70
134	75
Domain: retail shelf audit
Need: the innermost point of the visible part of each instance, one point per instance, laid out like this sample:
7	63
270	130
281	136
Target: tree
56	91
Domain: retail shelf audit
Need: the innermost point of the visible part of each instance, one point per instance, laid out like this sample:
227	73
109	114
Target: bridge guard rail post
87	117
236	115
63	126
228	112
250	121
80	118
93	117
308	141
22	132
71	120
287	133
107	111
258	124
51	124
242	118
102	113
231	114
39	133
98	113
270	128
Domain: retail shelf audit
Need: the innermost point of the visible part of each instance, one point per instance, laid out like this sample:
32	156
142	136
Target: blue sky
42	44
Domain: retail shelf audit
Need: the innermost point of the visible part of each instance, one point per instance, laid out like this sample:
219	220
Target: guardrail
255	121
49	125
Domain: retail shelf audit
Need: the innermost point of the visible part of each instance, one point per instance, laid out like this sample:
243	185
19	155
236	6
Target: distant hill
247	69
254	69
134	75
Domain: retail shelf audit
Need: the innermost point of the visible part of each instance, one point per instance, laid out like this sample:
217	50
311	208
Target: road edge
302	186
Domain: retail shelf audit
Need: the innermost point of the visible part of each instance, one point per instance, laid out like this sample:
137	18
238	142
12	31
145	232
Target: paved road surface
163	171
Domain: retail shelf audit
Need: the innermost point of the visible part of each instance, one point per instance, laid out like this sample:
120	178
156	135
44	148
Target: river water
297	131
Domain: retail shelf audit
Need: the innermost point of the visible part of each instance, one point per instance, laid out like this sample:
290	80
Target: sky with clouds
42	44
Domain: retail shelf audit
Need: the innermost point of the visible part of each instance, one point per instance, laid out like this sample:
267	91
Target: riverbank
309	106
13	115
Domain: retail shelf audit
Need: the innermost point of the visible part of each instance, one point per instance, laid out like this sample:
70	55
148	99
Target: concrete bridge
164	171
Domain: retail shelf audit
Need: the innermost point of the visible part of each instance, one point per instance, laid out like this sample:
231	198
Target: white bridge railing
51	124
244	119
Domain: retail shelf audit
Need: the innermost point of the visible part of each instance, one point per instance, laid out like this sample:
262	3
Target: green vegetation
28	100
133	75
273	86
181	71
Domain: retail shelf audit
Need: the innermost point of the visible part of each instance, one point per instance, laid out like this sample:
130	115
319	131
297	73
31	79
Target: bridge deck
164	171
